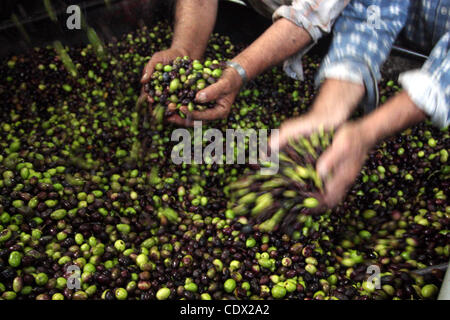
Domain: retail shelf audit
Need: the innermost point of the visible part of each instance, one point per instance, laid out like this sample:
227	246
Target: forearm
194	22
337	100
397	114
280	41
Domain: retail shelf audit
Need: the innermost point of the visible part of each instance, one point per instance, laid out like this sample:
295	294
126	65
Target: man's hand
301	126
341	163
345	157
164	57
332	107
223	92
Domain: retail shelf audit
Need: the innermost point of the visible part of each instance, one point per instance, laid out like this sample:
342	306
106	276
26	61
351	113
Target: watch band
241	71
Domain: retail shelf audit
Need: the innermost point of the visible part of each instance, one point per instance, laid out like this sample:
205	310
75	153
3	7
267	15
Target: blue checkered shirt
364	34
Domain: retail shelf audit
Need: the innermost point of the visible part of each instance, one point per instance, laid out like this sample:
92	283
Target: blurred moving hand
332	107
341	163
294	128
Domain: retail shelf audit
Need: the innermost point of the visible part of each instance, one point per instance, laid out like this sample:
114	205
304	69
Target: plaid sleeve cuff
427	94
297	17
315	16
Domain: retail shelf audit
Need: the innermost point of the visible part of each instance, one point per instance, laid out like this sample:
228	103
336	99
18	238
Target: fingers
177	120
220	111
290	129
220	92
148	70
142	100
206	115
328	161
213	92
338	184
339	165
163	57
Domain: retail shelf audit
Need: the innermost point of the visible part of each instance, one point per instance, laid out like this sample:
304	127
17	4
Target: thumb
337	186
291	128
148	71
327	162
212	92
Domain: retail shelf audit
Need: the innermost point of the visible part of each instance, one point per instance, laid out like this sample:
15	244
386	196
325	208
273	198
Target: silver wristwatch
241	71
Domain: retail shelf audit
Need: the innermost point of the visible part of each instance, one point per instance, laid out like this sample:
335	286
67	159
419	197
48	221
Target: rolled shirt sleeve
429	87
316	17
362	39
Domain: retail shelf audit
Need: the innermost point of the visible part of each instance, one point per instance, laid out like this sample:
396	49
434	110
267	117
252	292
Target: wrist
239	70
238	75
330	117
242	60
183	50
366	131
235	80
337	99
